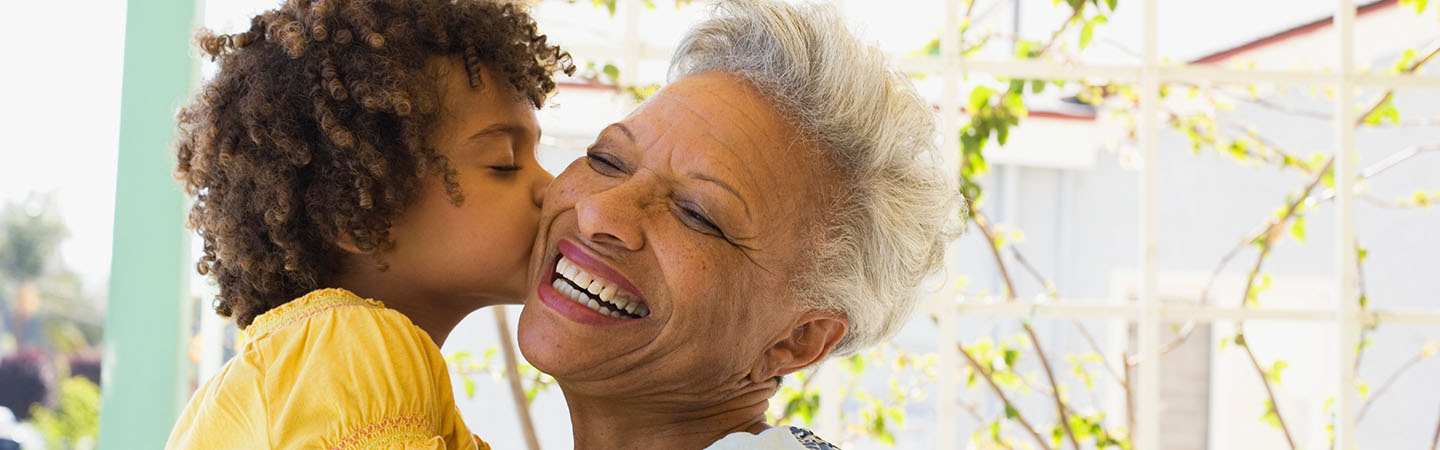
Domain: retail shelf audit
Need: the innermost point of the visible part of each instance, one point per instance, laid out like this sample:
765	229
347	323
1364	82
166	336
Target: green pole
147	321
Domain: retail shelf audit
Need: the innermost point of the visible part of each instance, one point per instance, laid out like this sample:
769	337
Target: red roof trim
581	85
1296	31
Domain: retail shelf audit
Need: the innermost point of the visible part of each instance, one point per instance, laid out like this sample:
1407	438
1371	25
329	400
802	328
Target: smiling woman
776	204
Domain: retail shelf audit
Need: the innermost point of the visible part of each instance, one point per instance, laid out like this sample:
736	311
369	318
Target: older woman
776	204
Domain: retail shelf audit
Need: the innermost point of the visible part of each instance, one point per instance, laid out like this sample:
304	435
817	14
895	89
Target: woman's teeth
596	293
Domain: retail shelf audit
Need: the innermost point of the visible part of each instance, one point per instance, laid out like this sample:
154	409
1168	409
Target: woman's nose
613	217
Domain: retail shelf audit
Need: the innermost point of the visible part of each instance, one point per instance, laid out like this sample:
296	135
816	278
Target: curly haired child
350	150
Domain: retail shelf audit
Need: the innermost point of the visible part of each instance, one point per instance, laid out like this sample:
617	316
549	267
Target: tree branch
1359	416
1435	441
975	414
984	226
1084	332
1010	406
1396	159
512	372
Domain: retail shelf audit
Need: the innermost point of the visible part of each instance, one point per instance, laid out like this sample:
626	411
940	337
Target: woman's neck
665	422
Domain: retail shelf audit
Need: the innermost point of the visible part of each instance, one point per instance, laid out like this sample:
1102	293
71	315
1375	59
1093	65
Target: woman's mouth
603	295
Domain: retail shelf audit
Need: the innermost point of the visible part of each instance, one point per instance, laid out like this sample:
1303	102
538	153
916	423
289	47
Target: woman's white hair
889	228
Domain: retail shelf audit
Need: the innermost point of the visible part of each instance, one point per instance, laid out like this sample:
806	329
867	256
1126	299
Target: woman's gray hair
890	226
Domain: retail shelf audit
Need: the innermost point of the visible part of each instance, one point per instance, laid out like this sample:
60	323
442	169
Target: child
352	150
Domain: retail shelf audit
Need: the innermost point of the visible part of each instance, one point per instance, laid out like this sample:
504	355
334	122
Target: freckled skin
723	321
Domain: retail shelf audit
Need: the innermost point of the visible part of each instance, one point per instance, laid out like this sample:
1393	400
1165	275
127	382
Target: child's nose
542	184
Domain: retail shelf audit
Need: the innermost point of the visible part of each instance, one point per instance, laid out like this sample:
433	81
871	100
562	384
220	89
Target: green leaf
855	363
1011	412
1026	49
469	388
932	48
1384	112
1406	59
1086	32
1276	370
1270	417
612	72
1111	4
1297	229
1419	5
979	99
1010	356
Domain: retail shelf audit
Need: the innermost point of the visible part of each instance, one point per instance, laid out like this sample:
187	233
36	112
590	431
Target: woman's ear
808	342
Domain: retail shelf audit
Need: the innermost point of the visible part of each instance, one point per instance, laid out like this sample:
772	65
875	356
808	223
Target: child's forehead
493	104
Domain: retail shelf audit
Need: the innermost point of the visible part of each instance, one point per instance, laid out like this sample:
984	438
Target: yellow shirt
329	370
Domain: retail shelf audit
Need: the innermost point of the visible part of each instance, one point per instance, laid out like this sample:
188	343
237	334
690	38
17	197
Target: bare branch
1055	37
985	374
975	413
1267	241
1359	416
512	372
1269	391
1435	441
1397	158
1085	332
984	226
1050	374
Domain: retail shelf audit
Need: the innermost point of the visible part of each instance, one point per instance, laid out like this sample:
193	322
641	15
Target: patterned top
777	438
808	439
329	370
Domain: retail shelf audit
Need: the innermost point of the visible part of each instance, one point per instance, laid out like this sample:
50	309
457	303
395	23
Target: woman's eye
697	220
604	164
507	169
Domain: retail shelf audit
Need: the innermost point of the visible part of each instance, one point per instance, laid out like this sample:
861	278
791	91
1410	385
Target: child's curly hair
313	131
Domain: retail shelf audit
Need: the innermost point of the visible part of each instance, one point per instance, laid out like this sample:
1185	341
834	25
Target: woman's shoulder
776	438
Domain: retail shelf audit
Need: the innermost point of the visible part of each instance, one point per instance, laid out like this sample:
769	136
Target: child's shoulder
320	305
332	369
335	324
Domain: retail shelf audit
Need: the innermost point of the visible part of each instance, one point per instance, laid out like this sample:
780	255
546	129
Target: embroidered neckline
310	304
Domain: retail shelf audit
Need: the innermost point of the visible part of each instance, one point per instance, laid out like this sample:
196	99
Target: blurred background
1194	225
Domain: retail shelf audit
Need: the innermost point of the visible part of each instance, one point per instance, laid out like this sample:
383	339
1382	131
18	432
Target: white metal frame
1149	312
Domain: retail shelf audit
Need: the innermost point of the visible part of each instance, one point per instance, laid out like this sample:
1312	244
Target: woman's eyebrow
623	130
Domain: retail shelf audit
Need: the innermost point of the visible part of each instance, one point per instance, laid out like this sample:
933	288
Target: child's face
473	254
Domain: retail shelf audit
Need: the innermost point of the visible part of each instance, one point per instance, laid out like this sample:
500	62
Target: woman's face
694	213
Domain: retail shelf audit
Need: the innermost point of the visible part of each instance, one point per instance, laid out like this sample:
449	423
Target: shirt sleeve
226	412
346	377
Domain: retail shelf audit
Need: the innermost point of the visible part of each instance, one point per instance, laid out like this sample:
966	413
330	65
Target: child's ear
808	342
